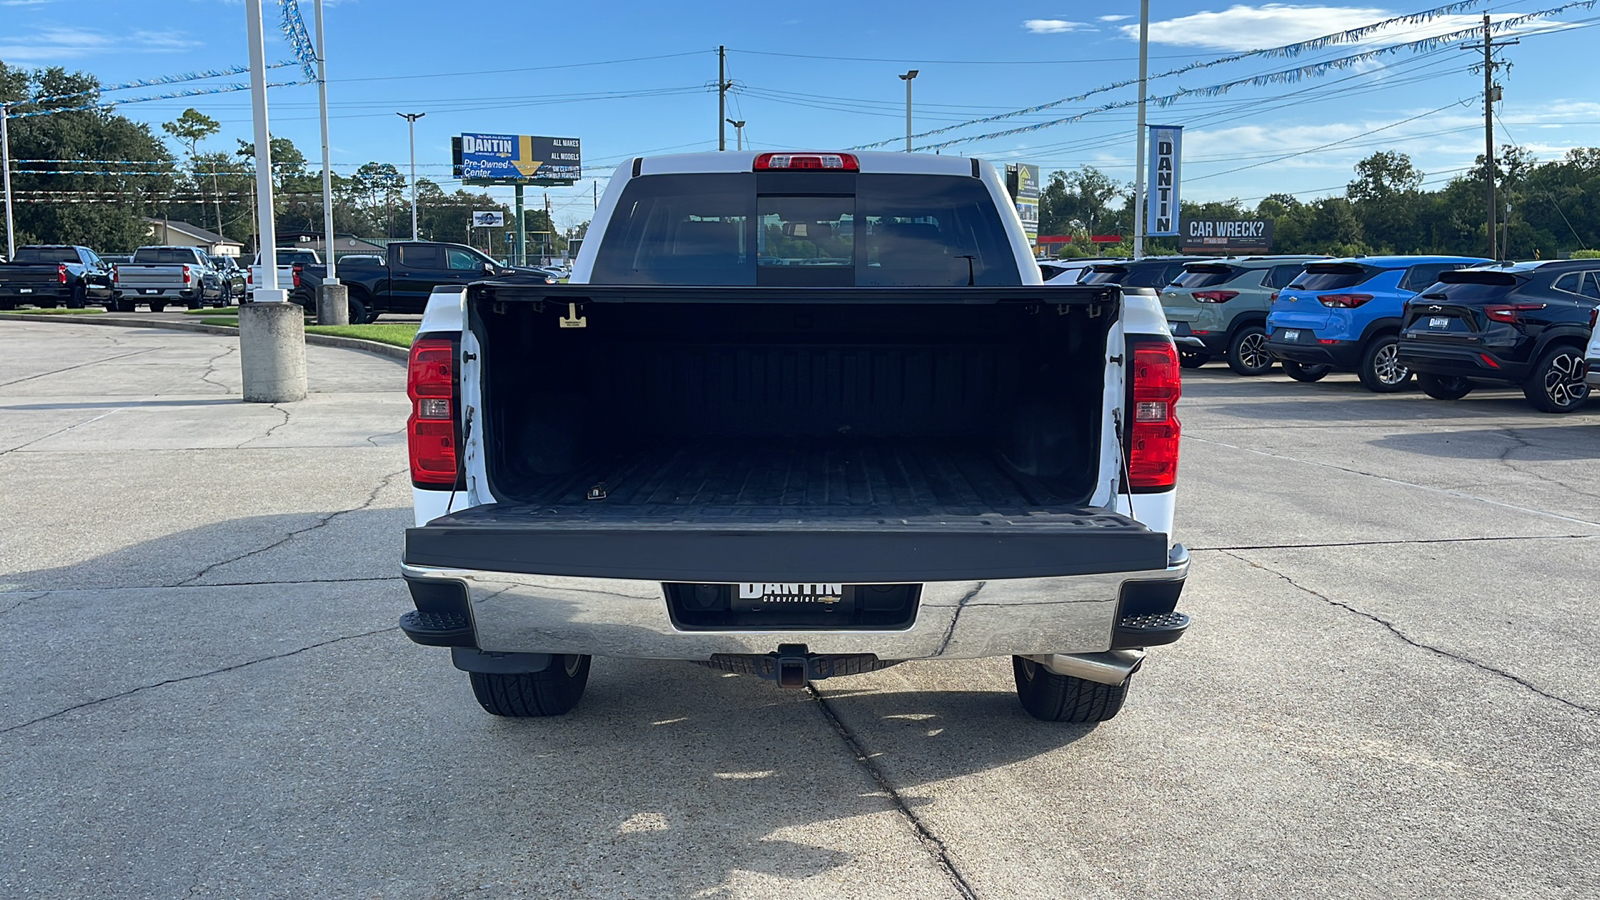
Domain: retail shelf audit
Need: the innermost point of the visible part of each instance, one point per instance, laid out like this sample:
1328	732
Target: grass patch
217	311
58	311
399	334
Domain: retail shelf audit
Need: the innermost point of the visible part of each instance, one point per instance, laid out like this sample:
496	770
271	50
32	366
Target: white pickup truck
797	415
290	263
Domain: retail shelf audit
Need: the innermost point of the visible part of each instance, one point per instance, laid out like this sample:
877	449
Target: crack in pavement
1395	630
1410	484
211	369
320	523
931	843
93	362
52	434
960	605
1402	541
1521	443
373	439
36	595
218	671
269	430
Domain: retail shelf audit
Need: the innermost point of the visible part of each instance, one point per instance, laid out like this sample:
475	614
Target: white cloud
1114	18
1055	26
54	44
1240	27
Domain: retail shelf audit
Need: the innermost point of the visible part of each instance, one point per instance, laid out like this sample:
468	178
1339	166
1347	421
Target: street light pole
738	131
907	79
5	159
411	120
327	164
1138	144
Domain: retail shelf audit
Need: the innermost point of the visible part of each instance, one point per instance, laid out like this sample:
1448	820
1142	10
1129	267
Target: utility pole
1491	93
597	195
1138	144
411	119
5	160
738	133
907	77
722	97
327	164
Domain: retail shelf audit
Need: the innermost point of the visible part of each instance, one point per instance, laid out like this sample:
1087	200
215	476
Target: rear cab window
1206	275
163	256
806	229
1332	276
1419	277
1468	286
1279	277
46	255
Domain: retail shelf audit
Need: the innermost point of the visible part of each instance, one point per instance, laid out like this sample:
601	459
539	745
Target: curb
388	351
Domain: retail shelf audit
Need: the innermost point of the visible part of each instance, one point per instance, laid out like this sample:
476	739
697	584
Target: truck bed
748	481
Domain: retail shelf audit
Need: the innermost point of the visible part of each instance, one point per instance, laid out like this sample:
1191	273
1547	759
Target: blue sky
824	75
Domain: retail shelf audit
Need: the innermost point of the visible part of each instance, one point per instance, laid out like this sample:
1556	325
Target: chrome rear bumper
518	613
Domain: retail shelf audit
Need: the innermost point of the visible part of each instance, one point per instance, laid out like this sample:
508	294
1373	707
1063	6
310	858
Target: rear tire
1247	352
1381	370
79	298
530	695
1444	387
1192	359
1049	697
195	304
1557	384
1303	372
358	311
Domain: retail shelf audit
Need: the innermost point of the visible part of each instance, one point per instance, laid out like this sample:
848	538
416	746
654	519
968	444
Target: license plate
24	290
1291	335
151	291
1439	322
759	594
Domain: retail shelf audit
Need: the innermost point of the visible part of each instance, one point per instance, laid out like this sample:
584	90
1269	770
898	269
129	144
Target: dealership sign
1226	236
1161	185
1022	180
488	219
484	159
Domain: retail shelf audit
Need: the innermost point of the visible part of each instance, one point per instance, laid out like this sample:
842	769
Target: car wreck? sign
1226	236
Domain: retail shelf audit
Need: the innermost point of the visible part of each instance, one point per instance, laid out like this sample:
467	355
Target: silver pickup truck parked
797	415
161	275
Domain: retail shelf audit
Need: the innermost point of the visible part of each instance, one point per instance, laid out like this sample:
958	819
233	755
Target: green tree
104	208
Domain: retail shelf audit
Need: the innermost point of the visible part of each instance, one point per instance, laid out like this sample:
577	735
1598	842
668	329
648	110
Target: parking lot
1387	691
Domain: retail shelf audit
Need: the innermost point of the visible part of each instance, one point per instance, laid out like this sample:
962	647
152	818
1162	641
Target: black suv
1151	272
1524	323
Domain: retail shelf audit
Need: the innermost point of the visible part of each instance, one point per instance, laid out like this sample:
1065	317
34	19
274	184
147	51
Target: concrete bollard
272	351
333	304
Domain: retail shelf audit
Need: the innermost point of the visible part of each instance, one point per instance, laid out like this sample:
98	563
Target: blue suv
1346	314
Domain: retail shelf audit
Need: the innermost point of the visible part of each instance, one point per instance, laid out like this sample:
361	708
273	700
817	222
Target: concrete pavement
1386	693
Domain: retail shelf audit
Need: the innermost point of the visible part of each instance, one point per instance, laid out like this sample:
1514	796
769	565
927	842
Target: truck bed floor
744	480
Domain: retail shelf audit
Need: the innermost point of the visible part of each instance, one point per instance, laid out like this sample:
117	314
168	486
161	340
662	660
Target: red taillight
1594	316
431	430
1215	296
1344	301
61	272
188	276
1509	312
296	273
1488	361
839	162
116	274
1154	429
1273	298
250	276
